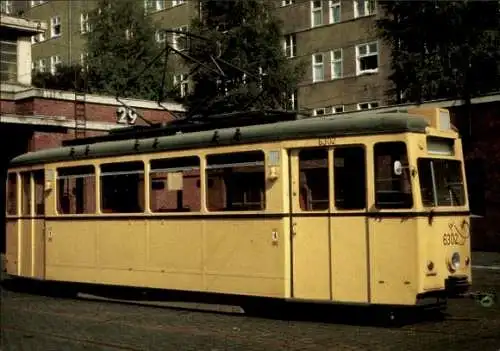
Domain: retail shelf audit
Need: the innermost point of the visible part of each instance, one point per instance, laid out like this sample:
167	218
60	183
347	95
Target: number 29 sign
125	115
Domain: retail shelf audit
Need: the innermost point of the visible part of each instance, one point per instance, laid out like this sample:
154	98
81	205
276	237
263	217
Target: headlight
455	261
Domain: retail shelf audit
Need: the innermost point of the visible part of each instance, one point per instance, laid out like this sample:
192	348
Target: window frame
290	45
359	56
317	65
152	170
334	61
233	154
366	8
406	173
77	175
54	22
370	105
331	5
313	12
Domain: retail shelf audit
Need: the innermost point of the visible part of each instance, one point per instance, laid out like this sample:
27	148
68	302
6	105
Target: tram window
237	182
122	187
39	179
313	179
392	191
447	187
175	185
12	194
76	190
349	175
25	194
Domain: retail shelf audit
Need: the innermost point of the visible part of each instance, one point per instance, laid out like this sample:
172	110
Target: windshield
441	182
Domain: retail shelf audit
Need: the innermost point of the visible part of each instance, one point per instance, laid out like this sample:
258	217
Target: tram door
329	224
32	223
310	224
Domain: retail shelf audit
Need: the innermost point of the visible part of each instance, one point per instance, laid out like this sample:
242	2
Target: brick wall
479	128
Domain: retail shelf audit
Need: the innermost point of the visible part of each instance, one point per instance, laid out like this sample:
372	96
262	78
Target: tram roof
335	126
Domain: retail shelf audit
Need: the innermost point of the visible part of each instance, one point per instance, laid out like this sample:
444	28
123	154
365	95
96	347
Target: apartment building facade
347	64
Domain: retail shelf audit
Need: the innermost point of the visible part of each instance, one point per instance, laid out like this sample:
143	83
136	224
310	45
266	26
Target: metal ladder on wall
80	115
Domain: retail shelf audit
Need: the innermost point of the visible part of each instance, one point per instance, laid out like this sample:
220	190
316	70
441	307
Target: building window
153	5
290	45
181	84
41	65
55	27
84	23
318	68
338	109
8	61
37	38
364	8
6	7
178	2
316	13
54	62
37	2
180	40
286	2
334	11
367	58
367	105
319	111
336	62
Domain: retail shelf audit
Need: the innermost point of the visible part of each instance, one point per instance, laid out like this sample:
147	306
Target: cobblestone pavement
36	322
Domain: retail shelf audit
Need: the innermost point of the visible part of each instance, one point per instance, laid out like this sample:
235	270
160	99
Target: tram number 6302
451	239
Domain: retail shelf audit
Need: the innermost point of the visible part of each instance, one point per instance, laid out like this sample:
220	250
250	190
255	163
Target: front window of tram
441	182
392	189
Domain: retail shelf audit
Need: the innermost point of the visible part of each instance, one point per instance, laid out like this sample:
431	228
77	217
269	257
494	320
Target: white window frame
290	45
334	61
316	64
370	105
38	38
338	109
7	7
84	23
41	65
292	99
156	5
286	3
367	54
176	36
34	3
180	80
316	9
319	111
331	5
54	22
366	8
178	2
54	61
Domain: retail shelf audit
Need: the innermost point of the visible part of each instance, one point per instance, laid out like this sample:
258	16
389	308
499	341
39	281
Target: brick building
347	64
33	119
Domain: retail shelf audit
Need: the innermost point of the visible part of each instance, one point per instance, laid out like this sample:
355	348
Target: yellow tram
366	208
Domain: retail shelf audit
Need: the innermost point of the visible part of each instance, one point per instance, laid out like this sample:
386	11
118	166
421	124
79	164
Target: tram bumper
457	286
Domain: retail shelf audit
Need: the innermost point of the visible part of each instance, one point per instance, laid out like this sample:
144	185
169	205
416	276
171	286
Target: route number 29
125	115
